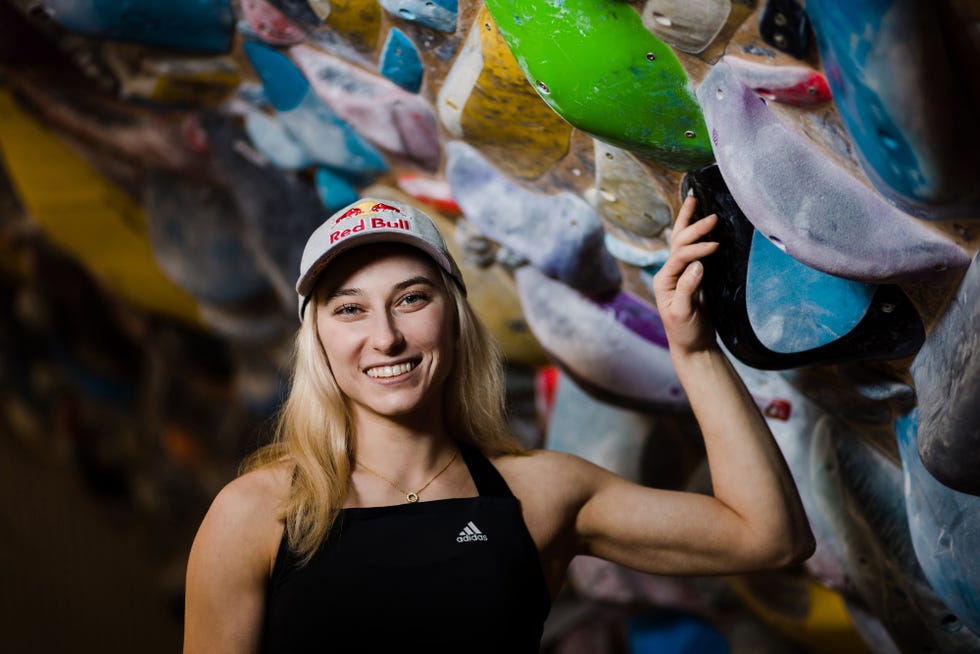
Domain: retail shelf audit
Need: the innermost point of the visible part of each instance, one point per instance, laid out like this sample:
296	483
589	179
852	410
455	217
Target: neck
402	447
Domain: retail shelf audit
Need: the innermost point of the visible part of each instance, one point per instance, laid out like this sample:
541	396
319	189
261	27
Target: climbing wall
161	164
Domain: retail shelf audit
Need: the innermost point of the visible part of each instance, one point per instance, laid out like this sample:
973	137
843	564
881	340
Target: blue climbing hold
675	632
906	116
400	61
335	192
190	25
945	528
327	139
435	14
793	307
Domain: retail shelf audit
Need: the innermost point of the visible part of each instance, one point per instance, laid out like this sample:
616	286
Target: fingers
682	300
686	213
680	259
690	279
686	247
687	234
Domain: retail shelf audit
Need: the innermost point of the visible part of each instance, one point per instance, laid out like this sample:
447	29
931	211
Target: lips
384	372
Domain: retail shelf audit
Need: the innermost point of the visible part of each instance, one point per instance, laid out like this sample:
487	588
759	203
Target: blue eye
347	310
415	298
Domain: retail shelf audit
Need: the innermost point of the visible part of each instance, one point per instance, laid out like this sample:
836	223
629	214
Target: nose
385	335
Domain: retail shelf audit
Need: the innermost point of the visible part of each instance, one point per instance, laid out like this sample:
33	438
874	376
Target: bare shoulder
245	515
254	496
545	462
550	476
231	560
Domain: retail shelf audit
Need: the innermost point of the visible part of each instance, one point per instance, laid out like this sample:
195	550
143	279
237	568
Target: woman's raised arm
754	518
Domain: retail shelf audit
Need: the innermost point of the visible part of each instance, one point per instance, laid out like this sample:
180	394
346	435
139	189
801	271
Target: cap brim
306	284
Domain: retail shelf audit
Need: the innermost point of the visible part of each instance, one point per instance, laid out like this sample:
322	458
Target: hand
676	284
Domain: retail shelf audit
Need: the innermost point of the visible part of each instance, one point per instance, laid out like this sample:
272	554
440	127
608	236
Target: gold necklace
411	496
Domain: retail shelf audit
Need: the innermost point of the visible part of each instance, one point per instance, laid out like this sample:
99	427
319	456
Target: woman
395	512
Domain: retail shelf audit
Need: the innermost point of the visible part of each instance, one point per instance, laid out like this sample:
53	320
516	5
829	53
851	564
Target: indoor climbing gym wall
161	164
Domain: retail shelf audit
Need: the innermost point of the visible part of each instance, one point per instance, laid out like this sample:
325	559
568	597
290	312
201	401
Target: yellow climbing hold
85	215
357	21
487	101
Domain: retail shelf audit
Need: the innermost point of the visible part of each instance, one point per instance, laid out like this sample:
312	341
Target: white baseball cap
370	221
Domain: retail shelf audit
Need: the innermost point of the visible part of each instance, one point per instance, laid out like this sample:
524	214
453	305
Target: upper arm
229	567
661	531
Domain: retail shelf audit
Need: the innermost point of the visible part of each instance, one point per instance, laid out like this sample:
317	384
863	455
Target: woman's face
384	320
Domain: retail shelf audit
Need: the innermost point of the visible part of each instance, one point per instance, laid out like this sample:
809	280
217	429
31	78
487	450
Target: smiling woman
395	511
383	319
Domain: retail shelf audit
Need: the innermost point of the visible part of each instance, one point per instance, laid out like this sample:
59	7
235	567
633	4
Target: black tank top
454	575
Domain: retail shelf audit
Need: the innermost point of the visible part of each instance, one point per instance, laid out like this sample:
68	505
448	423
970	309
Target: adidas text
470	533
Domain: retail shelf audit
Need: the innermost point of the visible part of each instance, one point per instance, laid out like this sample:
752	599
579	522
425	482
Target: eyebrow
400	286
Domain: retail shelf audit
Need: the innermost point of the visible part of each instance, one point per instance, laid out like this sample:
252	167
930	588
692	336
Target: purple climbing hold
388	115
559	234
605	357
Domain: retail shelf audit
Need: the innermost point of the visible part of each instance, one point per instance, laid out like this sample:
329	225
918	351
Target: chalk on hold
785	187
772	312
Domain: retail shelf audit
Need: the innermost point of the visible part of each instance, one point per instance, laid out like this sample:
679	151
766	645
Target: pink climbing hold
386	114
270	24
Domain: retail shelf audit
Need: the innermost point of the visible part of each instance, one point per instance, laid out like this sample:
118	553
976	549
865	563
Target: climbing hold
785	187
439	15
688	25
190	25
269	24
784	25
605	357
800	86
596	74
560	234
401	62
326	138
947	381
388	115
486	100
906	113
773	312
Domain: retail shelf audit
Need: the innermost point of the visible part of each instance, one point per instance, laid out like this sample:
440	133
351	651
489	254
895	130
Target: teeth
390	371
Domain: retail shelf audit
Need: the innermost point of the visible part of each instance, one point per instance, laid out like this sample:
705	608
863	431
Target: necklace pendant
411	498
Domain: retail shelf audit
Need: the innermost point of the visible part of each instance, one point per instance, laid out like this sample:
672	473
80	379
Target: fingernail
697	268
690	192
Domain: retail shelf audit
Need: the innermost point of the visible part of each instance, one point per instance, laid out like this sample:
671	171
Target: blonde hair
315	432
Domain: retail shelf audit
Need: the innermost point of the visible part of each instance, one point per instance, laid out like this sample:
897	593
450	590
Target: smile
383	372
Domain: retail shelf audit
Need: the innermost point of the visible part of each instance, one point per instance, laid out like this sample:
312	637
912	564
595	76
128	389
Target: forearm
748	472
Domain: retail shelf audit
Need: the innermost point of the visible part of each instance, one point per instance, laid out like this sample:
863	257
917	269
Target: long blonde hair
315	432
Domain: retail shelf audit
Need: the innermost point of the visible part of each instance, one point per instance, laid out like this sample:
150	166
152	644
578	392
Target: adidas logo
470	532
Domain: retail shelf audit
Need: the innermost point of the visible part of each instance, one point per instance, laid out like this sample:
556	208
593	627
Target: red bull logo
374	208
356	211
375	223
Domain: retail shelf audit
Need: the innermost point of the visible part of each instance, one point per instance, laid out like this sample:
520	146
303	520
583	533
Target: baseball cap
370	221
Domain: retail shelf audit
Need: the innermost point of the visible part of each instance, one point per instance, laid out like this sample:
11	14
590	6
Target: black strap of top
488	481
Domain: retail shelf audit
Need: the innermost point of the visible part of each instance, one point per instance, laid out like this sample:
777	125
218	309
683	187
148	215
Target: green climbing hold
599	68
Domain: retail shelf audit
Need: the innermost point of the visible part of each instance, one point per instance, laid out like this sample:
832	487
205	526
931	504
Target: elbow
807	545
801	550
781	549
793	549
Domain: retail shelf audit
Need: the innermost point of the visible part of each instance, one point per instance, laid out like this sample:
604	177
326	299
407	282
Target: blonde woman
395	512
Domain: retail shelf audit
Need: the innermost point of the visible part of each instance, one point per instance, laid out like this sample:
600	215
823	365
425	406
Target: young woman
394	511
